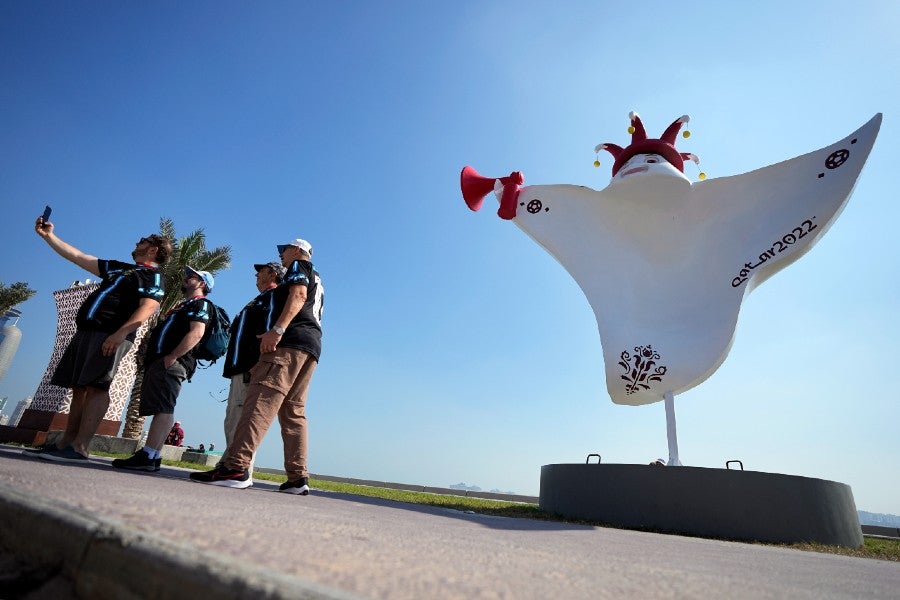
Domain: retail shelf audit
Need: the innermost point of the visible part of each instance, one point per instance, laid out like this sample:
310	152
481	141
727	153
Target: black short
161	387
83	363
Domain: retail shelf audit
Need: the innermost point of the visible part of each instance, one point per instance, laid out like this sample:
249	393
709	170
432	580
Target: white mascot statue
665	262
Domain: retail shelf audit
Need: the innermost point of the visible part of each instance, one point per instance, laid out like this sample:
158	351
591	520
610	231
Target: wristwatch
278	330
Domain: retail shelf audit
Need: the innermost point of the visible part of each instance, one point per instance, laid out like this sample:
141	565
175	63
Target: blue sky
457	350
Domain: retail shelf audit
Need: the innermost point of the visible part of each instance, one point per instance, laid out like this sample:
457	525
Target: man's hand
168	361
268	341
43	228
112	343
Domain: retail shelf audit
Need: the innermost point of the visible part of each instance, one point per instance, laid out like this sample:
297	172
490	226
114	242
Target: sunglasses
144	240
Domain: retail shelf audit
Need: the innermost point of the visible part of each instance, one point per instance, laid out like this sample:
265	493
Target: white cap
206	276
302	244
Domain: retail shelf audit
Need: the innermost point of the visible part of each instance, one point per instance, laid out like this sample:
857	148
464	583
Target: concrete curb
106	559
879	531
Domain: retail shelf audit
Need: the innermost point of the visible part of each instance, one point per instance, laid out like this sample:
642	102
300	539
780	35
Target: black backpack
214	343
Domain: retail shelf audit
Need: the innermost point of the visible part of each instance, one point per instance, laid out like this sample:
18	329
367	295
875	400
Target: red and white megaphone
475	187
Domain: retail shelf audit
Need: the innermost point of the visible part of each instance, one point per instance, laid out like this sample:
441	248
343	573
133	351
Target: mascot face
648	179
646	165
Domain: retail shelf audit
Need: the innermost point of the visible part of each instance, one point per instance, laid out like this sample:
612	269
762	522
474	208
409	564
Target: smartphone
46	215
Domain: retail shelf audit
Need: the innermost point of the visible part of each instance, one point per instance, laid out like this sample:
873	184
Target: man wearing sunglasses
168	362
106	323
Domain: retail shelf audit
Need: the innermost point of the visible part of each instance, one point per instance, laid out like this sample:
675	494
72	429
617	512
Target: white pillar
670	430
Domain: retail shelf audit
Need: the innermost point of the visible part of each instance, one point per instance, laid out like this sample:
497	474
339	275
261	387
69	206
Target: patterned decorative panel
56	399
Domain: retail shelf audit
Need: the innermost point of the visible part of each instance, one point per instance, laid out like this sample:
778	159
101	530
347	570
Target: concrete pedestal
717	503
35	426
50	407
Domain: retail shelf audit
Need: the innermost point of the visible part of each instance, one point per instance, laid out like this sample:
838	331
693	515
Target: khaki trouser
233	409
278	386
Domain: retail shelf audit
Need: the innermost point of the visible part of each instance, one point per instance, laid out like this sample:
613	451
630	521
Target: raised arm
71	253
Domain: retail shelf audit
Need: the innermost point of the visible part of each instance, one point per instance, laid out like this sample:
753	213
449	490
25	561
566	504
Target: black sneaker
67	454
157	463
139	461
39	450
299	487
225	477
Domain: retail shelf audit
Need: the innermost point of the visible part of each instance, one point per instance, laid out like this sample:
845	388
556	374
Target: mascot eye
652	160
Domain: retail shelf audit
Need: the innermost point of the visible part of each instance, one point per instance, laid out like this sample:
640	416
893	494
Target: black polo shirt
305	330
169	332
255	318
123	286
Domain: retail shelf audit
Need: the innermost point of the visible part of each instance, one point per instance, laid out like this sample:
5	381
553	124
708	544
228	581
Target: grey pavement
141	535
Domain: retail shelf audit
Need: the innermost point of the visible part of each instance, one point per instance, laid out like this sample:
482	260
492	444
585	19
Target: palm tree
189	250
17	293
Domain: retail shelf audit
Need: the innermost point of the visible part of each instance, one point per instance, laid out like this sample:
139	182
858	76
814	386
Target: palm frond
189	250
167	228
214	260
191	245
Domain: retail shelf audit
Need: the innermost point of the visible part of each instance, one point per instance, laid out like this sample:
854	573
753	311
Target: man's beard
184	289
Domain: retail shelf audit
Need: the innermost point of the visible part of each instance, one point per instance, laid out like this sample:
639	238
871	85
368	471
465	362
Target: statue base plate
715	503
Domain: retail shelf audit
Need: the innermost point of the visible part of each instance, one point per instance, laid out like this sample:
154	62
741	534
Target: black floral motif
640	368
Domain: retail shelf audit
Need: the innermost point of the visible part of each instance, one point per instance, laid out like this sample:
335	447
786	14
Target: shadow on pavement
491	521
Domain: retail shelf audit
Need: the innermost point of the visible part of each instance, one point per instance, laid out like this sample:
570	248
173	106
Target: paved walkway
142	535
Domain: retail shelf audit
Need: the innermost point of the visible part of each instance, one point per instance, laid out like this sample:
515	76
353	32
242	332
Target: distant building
49	397
10	336
4	419
2	404
21	407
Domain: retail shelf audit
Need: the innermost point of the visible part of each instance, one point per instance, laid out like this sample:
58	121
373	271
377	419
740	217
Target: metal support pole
670	430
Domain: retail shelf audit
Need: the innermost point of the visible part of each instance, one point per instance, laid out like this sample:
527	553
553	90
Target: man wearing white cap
168	363
289	353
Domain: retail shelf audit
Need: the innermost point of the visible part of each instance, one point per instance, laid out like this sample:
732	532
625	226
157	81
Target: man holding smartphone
106	323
